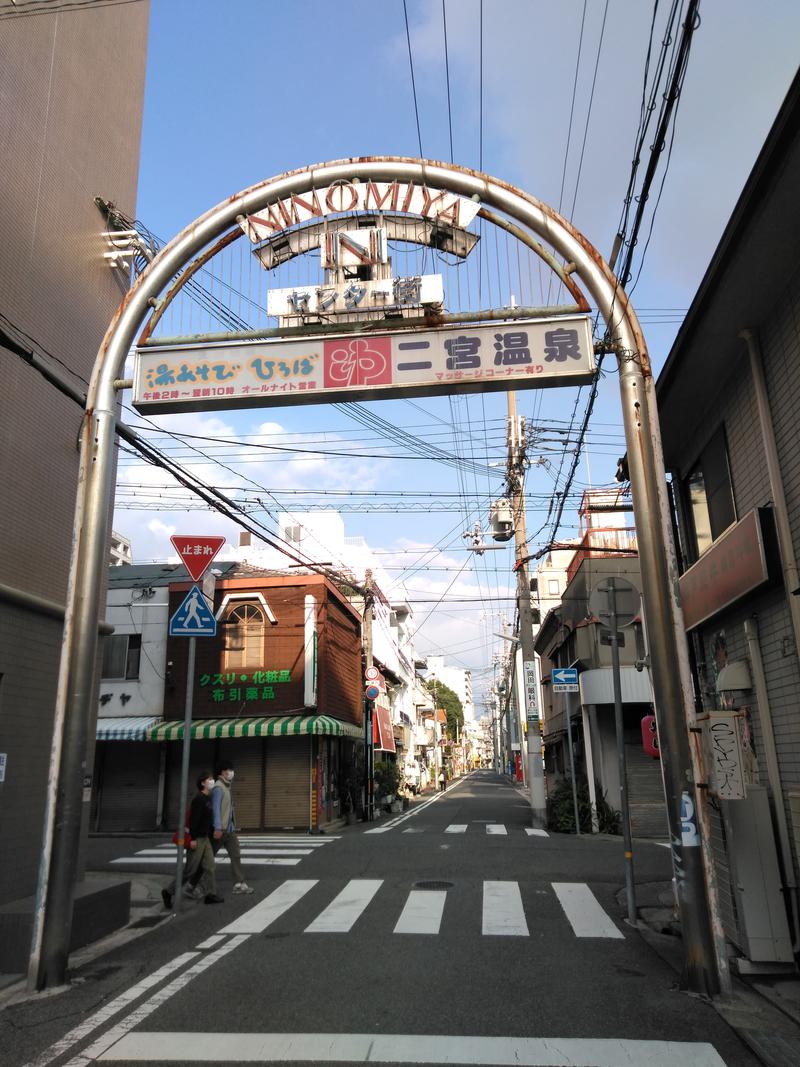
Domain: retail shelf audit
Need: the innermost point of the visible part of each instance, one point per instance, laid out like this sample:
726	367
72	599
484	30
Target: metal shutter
246	755
202	759
288	783
129	785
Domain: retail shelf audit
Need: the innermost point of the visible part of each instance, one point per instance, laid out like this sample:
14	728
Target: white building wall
130	611
456	678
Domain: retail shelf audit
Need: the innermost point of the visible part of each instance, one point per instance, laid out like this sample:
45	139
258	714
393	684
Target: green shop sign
236	687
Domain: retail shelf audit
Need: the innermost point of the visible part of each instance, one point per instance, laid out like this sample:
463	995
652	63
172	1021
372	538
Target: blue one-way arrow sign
193	618
564	679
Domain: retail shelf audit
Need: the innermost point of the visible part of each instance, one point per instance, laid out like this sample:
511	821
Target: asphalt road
448	934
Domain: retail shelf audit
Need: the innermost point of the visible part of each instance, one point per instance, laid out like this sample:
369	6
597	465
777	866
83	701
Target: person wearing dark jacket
200	863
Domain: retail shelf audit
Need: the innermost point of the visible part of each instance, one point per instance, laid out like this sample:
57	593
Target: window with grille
244	636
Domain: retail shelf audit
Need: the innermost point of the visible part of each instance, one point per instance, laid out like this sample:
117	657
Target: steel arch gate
669	655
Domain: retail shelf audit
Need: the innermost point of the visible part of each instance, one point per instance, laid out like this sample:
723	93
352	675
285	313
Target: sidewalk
147	911
764	1011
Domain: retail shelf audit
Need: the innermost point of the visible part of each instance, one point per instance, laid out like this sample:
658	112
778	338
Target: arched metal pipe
669	657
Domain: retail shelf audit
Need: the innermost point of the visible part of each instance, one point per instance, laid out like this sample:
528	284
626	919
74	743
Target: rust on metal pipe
183	278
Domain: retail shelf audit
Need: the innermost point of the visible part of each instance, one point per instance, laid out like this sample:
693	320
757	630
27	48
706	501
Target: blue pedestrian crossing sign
194	618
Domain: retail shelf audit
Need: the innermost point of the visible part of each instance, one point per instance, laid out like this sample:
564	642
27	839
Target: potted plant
387	780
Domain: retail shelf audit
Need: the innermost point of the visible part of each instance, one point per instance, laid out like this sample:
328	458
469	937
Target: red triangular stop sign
196	553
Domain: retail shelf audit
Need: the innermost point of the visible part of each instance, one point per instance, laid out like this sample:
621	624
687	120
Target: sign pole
369	707
630	891
187	740
568	696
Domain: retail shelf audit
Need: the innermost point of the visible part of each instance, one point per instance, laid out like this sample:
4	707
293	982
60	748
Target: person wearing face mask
225	825
200	865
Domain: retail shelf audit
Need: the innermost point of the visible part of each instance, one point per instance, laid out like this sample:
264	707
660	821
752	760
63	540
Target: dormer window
244	636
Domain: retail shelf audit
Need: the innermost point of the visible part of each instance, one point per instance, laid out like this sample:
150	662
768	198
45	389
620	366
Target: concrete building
574	634
120	550
72	87
729	401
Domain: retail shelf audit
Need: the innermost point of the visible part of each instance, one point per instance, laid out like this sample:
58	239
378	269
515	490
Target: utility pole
369	707
516	483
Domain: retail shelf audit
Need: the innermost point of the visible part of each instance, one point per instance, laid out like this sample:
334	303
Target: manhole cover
433	885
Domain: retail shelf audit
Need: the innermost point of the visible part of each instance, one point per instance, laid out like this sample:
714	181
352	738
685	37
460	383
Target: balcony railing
603	541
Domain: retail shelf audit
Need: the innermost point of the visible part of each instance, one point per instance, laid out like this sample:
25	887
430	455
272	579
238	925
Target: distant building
459	679
120	550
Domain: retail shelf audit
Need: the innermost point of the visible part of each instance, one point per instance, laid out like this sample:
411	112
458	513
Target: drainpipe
773	770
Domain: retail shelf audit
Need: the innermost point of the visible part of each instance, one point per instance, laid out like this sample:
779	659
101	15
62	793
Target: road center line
416	811
110	1037
192	1047
102	1015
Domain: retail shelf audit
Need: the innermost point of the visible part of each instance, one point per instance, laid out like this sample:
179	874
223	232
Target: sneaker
243	887
212	898
166	896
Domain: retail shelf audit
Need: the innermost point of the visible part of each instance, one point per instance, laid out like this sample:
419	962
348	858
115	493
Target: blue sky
242	90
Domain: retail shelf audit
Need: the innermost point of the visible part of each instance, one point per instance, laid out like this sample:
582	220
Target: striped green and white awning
125	728
275	726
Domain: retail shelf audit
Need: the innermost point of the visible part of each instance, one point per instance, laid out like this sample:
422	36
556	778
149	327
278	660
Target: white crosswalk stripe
422	913
502	909
159	1046
466	828
257	919
258	850
503	913
341	913
583	910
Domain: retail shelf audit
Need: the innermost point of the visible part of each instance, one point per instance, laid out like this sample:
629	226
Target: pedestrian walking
200	864
442	780
225	825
